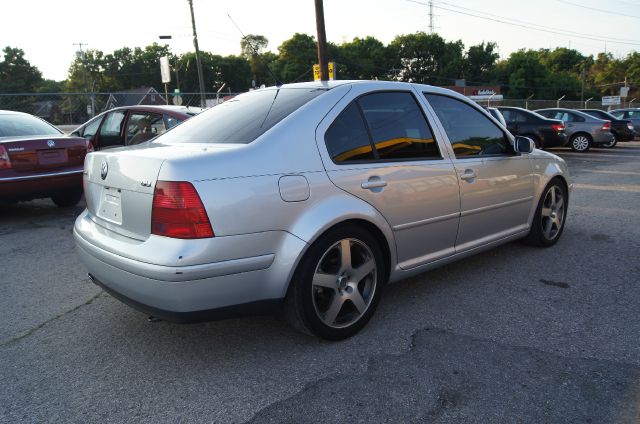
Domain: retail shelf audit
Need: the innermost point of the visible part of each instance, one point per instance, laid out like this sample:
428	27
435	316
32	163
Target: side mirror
524	144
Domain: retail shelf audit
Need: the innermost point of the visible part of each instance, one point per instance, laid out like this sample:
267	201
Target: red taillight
557	127
606	126
178	212
5	162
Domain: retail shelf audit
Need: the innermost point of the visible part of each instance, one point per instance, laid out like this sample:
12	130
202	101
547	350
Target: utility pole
430	17
322	42
203	101
82	58
582	89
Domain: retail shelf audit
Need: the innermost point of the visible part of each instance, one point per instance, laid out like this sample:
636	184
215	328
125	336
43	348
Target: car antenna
255	52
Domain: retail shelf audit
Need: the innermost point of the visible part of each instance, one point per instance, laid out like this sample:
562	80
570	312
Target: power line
599	10
526	25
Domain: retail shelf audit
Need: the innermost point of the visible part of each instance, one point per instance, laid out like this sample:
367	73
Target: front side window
470	133
243	118
90	129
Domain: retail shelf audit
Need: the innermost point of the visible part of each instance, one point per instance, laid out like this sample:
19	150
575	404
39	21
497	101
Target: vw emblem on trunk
104	170
51	143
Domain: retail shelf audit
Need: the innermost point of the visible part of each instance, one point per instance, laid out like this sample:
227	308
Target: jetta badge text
104	170
51	143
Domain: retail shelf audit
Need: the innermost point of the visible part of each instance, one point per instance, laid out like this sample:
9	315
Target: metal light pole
559	100
203	101
586	102
322	42
526	102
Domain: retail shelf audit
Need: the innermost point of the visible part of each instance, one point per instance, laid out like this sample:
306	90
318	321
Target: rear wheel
611	144
580	143
550	215
67	199
337	285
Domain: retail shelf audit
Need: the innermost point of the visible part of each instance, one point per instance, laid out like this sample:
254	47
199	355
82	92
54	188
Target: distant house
137	96
48	110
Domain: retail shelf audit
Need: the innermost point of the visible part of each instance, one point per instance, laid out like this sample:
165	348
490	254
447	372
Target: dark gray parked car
632	114
582	129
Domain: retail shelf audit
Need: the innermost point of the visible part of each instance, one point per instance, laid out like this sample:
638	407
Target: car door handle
469	175
373	183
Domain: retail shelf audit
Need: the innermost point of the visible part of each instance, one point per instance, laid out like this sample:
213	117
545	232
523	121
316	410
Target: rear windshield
243	118
25	125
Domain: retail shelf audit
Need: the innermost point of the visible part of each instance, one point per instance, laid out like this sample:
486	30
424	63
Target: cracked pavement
515	334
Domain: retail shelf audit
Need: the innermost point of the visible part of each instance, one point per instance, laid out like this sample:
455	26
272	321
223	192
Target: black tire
612	144
67	199
303	299
580	142
538	234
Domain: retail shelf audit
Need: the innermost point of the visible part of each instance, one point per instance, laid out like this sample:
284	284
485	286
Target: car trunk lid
43	154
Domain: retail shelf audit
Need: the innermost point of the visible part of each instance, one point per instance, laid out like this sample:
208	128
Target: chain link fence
77	108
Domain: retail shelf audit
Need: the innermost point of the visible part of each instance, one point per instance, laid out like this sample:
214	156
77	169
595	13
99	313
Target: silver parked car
582	129
312	197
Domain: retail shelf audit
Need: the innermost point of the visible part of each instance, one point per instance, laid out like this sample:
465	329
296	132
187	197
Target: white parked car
311	197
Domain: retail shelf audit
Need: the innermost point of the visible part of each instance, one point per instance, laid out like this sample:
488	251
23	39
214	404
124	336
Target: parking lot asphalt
515	334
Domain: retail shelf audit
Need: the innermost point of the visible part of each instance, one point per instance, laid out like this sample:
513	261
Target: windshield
243	118
25	125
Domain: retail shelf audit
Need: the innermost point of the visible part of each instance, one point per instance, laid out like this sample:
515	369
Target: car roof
13	112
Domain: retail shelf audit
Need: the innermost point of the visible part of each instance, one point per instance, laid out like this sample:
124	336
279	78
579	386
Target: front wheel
580	143
550	215
337	284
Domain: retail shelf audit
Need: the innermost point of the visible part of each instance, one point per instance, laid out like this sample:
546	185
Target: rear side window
383	126
347	138
243	118
470	132
398	128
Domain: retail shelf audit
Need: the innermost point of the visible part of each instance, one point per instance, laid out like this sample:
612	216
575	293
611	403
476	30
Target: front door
382	150
496	184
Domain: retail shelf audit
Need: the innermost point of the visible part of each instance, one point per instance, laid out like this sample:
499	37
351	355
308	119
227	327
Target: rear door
496	184
111	131
380	148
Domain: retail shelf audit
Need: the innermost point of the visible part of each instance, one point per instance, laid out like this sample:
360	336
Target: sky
50	36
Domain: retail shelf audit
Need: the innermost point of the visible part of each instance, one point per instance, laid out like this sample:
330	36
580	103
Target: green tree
426	58
17	75
480	62
296	57
362	58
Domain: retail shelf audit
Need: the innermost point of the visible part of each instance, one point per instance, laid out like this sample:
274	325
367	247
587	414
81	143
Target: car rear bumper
555	140
601	137
194	292
33	186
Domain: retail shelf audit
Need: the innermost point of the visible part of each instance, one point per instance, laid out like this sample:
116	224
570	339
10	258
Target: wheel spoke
345	254
363	270
358	301
546	227
334	309
324	280
559	204
546	212
553	196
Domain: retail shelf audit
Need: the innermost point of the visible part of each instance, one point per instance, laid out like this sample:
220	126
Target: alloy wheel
553	213
580	143
344	283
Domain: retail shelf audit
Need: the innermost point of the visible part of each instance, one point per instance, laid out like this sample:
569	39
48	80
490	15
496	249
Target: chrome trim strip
35	177
496	206
426	221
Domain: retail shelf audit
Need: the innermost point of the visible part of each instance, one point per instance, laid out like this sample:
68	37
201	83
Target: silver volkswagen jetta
312	197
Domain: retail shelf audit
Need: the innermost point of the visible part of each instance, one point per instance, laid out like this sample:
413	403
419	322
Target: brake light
5	162
557	127
178	212
606	126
